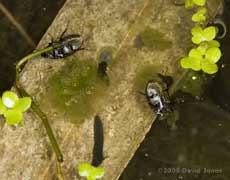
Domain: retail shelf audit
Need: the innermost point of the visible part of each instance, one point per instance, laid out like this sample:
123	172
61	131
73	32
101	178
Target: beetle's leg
65	30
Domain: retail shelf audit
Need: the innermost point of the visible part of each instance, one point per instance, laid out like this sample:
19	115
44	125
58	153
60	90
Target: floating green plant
191	3
201	35
207	54
12	107
90	172
206	61
199	16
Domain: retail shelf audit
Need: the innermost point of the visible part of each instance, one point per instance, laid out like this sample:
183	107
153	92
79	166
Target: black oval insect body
64	47
158	98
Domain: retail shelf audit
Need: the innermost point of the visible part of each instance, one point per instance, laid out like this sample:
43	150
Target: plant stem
36	107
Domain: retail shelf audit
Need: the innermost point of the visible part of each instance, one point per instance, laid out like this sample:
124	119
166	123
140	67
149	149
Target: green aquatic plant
201	35
191	3
205	56
12	107
202	60
199	16
90	172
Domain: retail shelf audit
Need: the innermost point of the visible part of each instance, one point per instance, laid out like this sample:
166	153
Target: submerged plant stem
34	106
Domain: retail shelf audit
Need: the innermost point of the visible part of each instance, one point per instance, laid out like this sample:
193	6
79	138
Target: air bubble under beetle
65	46
157	94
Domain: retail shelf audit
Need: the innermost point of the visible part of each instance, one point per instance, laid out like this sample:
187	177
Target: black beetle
65	46
157	97
157	94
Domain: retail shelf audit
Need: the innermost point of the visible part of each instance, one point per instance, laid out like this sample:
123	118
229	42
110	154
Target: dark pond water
35	17
199	149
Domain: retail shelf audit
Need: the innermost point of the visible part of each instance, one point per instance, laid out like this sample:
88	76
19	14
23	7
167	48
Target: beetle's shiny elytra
64	47
157	97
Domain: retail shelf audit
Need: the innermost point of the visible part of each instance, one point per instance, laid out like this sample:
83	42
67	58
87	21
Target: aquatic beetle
65	46
157	95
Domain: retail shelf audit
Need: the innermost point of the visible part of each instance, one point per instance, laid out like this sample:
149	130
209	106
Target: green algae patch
152	39
145	74
76	89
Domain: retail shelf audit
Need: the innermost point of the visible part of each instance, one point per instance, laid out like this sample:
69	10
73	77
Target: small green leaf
9	99
202	10
198	17
209	68
202	48
23	104
209	33
195	54
2	107
189	3
195	64
90	178
199	2
185	62
97	172
213	54
214	43
84	169
197	33
196	40
13	117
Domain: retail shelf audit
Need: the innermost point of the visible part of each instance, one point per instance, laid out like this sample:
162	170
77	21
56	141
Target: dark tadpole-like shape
98	142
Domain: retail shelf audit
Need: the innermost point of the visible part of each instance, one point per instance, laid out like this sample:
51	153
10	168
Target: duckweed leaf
90	178
200	15
195	54
189	3
202	47
195	64
199	2
9	99
84	169
213	43
209	33
13	117
23	104
186	62
213	54
197	33
97	172
2	107
209	68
